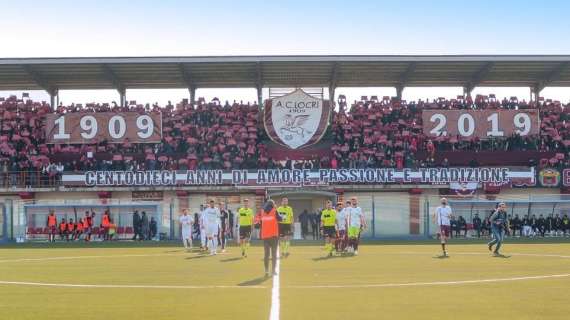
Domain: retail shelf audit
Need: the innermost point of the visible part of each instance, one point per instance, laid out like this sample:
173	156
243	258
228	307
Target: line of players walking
341	227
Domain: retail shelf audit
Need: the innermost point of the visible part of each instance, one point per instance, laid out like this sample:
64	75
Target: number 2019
466	125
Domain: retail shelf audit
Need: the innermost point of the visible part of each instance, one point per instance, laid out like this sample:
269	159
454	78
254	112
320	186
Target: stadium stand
371	133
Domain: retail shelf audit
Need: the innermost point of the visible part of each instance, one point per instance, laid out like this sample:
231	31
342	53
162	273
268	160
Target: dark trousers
222	238
137	232
270	245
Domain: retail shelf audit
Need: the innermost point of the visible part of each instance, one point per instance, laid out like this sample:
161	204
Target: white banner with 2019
298	177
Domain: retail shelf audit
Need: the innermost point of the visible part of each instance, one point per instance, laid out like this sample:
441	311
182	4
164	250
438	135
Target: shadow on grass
324	258
441	257
231	259
501	256
254	282
200	256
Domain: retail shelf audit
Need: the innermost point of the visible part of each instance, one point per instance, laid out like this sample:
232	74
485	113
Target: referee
328	222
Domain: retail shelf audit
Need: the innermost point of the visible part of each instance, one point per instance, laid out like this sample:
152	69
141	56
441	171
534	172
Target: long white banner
299	177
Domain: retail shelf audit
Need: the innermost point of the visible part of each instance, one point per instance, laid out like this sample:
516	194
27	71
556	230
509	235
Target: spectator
462	225
541	225
145	226
527	226
137	225
153	228
304	218
477	225
516	224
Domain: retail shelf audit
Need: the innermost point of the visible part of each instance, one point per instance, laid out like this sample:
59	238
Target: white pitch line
435	283
487	254
275	299
124	286
89	257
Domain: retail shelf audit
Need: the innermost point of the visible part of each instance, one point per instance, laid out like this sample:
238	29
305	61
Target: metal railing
29	179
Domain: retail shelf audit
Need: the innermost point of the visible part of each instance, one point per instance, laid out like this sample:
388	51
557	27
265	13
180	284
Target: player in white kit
356	223
212	226
442	218
203	244
341	227
186	222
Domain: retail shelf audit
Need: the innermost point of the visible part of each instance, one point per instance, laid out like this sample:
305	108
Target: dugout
34	217
546	207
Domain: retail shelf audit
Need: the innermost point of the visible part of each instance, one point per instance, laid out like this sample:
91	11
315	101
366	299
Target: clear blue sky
145	28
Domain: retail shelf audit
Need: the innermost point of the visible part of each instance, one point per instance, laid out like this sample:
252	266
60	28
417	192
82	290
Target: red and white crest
296	120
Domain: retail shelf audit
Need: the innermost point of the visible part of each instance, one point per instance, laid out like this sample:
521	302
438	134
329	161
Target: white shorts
186	234
212	231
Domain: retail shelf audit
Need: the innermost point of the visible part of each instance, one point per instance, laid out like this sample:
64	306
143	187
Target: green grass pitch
404	281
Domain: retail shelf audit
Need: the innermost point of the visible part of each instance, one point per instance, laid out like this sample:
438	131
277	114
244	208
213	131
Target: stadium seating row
369	133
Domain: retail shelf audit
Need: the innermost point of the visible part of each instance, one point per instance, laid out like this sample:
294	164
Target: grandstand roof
284	71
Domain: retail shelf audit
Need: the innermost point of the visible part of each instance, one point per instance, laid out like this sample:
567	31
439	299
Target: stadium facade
397	200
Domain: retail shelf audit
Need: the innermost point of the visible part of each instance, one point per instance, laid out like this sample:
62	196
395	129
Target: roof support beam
259	83
478	76
405	76
114	79
40	80
552	76
188	80
333	81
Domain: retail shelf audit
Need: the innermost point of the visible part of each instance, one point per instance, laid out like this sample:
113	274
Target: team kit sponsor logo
298	177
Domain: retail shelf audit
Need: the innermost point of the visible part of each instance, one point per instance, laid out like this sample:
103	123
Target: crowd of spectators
211	135
389	133
529	226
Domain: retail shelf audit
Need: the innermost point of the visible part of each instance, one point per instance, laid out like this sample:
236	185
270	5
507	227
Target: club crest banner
296	120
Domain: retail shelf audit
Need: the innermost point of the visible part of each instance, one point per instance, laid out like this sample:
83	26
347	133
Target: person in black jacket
477	224
153	228
145	227
516	224
550	225
454	227
462	225
558	226
527	227
136	225
541	225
